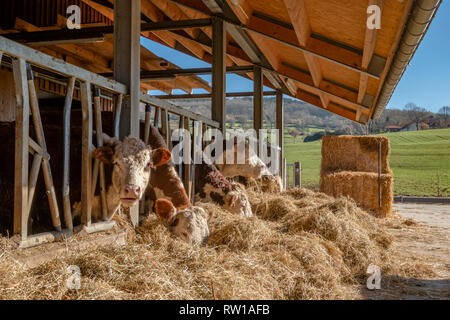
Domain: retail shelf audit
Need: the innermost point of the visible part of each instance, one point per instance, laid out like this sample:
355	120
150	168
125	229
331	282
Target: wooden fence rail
23	60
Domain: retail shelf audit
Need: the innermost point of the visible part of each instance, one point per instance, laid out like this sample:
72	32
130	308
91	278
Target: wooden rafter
300	21
370	41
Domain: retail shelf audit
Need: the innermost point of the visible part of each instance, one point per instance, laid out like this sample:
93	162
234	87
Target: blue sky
426	81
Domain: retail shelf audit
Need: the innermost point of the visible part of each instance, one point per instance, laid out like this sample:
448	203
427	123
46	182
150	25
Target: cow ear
210	215
104	154
160	157
233	201
165	210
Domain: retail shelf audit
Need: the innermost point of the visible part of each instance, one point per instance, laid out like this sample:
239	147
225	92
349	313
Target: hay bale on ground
358	167
354	153
363	188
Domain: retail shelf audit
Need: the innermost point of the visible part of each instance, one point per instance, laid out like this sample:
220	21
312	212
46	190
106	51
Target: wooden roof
319	51
94	56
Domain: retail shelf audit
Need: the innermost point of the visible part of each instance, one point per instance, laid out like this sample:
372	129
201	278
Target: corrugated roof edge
423	12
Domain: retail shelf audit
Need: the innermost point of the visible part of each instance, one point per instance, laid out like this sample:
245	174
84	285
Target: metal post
218	111
297	174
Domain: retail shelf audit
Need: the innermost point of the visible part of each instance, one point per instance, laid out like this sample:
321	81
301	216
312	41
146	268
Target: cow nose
132	191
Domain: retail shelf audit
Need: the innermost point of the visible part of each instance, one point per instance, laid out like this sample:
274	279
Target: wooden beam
208	96
300	21
21	149
127	57
66	147
93	33
37	58
279	119
257	99
163	104
218	103
186	72
370	41
46	169
74	50
86	164
316	46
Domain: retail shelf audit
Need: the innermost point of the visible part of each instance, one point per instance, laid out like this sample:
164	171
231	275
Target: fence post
297	175
284	173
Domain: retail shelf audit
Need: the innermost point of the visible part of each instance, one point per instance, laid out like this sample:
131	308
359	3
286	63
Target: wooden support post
21	149
280	127
165	125
34	174
156	119
66	147
187	178
197	133
288	168
51	194
297	174
218	101
180	126
101	166
204	130
257	100
127	32
284	177
86	161
117	112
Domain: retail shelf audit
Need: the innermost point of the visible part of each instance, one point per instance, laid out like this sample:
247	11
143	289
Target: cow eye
148	166
175	222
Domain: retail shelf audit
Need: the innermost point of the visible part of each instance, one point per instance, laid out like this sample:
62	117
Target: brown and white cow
189	224
164	180
253	167
212	186
132	161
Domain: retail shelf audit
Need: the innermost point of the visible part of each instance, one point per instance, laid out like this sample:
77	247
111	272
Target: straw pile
350	166
299	245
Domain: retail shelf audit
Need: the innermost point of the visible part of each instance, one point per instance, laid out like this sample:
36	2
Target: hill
418	159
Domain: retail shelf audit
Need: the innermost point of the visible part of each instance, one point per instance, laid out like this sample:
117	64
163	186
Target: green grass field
417	158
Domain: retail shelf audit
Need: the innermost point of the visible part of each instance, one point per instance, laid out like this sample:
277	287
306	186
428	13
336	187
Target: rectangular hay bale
354	153
363	187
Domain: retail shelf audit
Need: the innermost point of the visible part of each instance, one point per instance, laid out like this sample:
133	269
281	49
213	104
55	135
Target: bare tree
444	113
416	113
294	133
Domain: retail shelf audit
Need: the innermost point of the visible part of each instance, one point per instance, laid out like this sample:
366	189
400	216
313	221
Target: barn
343	56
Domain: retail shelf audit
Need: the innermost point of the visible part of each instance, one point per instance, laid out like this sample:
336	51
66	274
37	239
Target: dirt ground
421	239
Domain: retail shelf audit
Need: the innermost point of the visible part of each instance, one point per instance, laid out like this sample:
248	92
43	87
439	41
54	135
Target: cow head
132	160
189	224
237	201
270	182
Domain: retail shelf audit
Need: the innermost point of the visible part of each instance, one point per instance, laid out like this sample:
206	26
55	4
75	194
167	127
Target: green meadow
420	161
